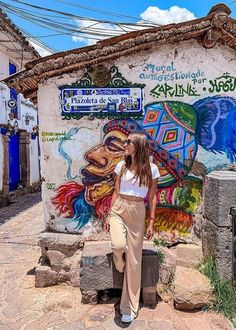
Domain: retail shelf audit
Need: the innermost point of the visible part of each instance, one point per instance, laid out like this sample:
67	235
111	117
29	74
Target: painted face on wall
102	159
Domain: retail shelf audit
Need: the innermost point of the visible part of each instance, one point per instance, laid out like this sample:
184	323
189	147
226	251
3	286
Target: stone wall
219	197
233	214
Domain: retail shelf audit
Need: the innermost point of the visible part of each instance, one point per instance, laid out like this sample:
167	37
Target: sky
156	11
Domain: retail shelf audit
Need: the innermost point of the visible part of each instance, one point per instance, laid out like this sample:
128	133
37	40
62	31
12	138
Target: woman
136	177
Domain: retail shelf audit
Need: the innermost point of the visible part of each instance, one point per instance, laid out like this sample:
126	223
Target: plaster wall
183	73
25	107
34	162
4	90
1	162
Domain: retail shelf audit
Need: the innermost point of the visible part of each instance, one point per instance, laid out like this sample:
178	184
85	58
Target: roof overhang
9	28
216	27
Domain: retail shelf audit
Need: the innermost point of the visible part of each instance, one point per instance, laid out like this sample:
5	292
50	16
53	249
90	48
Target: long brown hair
141	159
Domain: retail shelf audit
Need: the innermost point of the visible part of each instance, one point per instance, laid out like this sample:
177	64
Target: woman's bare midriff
131	198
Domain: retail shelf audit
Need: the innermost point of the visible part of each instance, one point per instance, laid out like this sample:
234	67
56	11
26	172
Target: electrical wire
77	16
110	13
80	26
38	42
47	23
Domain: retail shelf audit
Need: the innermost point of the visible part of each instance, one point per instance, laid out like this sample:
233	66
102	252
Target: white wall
24	107
1	162
4	90
34	161
188	56
4	96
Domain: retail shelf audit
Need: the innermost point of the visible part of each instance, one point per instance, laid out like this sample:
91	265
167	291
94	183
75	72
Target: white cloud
155	15
93	27
42	51
174	14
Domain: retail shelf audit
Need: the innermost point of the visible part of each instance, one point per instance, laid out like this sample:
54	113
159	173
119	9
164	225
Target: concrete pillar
233	214
5	186
4	200
219	196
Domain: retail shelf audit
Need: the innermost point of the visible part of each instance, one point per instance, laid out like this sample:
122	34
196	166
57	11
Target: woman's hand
149	231
106	225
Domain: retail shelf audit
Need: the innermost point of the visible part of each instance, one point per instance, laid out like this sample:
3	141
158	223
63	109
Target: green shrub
160	255
225	293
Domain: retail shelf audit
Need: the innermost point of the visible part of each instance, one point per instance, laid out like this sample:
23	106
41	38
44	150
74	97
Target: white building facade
19	148
175	84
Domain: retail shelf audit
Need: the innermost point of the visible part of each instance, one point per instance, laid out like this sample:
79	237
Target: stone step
192	290
187	255
99	273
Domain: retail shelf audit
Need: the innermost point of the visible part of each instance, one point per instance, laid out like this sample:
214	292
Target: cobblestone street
24	307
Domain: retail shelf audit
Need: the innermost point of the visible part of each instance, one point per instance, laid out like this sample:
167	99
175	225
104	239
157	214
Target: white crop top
128	183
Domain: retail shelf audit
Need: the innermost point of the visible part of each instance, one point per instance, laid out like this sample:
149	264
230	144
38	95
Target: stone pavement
24	307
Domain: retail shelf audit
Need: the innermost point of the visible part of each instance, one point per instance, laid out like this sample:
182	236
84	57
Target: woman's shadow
113	296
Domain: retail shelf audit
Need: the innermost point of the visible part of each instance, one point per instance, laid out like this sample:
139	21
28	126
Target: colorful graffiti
174	130
169	72
53	136
160	68
225	83
216	129
178	90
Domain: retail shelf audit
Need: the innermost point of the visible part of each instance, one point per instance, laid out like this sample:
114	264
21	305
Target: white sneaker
127	318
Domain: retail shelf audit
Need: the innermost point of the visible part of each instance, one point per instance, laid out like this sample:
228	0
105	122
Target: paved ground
24	307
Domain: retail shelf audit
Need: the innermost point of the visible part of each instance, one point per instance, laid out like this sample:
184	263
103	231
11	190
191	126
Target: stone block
60	260
44	277
75	269
165	292
233	215
150	267
217	242
219	195
192	290
99	273
67	244
96	272
90	297
168	267
188	255
56	260
149	295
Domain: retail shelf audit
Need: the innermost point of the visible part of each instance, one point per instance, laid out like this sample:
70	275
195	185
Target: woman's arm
116	191
152	204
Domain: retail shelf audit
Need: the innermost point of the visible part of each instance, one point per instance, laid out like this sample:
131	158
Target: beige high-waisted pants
127	232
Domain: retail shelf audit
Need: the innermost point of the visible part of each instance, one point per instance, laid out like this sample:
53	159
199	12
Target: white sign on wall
101	100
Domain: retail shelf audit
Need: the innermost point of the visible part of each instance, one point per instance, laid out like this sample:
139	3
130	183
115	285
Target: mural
175	130
216	130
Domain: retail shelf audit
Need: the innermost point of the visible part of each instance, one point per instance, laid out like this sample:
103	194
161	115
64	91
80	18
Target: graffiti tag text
54	136
178	90
50	186
225	83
